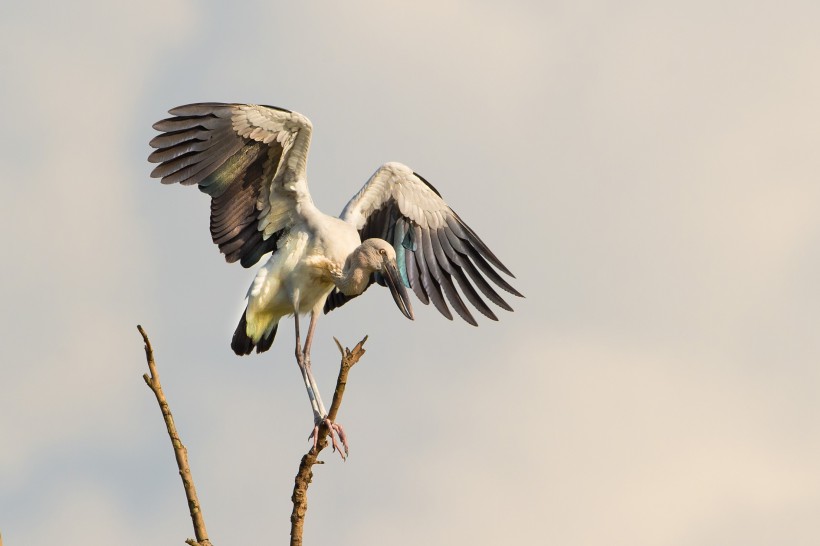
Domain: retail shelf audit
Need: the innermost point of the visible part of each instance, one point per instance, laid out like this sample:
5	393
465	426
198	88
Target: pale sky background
649	170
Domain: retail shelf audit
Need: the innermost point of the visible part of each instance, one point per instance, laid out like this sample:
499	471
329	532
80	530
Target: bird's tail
243	344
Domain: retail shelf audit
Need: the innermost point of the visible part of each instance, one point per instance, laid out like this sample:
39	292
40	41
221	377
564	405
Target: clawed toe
338	438
338	431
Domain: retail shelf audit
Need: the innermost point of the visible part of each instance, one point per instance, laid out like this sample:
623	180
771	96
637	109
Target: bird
397	231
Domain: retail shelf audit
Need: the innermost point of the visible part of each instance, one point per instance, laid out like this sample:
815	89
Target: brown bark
180	452
305	473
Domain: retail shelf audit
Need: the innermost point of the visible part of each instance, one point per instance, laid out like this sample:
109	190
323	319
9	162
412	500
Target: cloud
73	236
647	171
584	440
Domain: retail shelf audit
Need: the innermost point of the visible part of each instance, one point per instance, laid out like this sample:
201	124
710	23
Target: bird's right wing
434	247
250	159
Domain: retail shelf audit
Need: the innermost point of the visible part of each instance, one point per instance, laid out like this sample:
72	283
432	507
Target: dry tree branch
180	452
305	474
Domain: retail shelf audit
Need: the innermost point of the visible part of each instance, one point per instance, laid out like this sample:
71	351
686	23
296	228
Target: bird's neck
354	277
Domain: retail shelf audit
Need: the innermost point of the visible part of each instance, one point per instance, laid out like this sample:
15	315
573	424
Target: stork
396	231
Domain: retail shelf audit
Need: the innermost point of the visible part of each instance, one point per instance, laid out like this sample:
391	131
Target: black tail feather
242	344
266	341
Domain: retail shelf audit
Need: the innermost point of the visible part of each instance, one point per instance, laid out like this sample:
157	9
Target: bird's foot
338	438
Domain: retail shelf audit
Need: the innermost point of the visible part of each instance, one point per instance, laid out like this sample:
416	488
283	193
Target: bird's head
379	256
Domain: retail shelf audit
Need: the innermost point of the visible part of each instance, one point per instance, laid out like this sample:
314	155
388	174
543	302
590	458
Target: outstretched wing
435	249
250	159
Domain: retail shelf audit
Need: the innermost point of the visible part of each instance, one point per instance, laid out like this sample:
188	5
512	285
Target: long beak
396	286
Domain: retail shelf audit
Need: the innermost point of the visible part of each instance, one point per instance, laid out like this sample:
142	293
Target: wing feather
181	123
483	285
428	280
441	271
437	249
463	283
414	277
249	159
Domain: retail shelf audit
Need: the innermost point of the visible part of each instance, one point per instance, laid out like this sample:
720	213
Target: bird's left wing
435	249
250	159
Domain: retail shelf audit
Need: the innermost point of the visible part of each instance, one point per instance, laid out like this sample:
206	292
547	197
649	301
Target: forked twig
180	452
305	474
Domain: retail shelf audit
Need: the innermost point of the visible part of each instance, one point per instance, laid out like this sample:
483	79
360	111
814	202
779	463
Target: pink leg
318	414
336	430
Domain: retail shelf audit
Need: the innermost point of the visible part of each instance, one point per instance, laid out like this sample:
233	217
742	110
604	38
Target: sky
648	170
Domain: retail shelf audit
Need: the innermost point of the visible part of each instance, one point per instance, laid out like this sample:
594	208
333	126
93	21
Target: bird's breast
299	274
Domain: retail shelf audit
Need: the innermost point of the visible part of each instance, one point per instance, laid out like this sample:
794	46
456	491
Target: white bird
396	231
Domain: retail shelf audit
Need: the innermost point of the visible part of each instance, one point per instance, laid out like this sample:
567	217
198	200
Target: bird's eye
383	252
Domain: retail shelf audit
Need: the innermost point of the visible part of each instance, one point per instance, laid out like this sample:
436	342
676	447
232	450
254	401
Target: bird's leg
306	356
336	430
300	360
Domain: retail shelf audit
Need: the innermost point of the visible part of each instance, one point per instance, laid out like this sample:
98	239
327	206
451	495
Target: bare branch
305	474
180	452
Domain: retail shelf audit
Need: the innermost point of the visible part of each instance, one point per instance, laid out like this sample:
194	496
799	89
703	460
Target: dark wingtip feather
428	184
428	282
277	108
259	248
202	109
